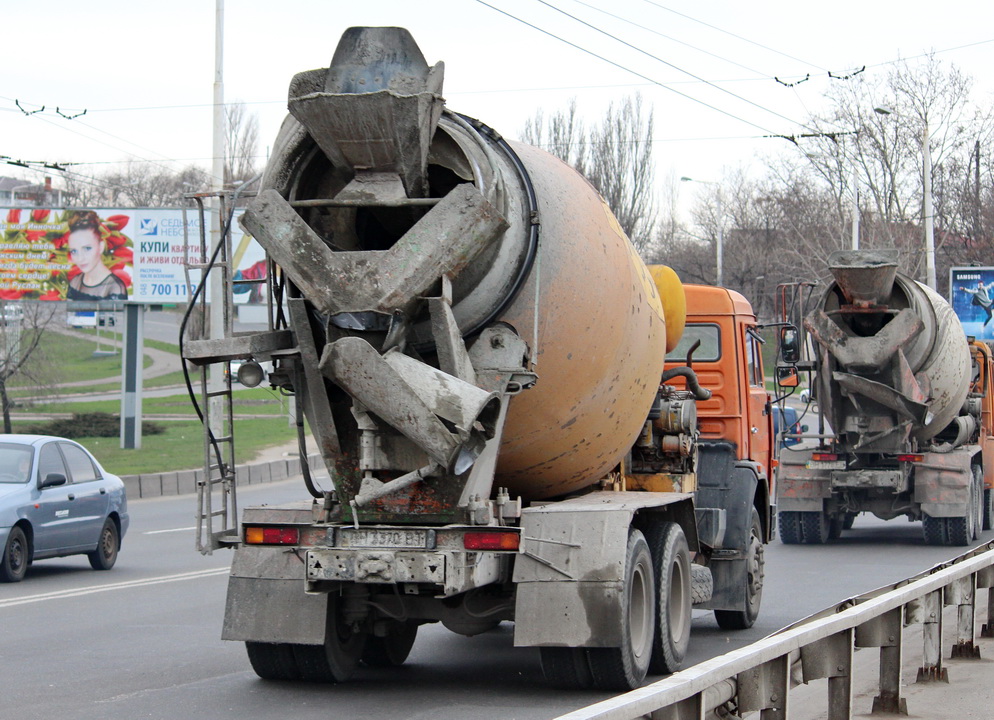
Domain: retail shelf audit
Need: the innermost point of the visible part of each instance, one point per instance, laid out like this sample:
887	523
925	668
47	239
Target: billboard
971	294
111	254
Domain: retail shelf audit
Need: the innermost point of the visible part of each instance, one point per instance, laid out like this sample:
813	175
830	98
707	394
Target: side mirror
790	345
787	376
53	480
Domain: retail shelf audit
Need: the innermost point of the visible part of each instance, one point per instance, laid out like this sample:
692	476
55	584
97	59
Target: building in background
16	192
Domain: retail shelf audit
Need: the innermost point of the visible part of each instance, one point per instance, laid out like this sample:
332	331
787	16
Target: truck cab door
758	421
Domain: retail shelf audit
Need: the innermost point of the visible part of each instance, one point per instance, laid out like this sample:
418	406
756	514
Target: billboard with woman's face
114	255
65	255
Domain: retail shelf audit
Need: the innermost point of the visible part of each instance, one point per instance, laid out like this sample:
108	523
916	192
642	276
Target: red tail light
821	457
910	458
272	535
491	540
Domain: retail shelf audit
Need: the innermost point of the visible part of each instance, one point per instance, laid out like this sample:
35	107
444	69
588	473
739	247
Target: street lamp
927	210
719	248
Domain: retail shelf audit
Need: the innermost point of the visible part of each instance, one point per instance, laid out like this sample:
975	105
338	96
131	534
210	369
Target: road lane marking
159	532
60	594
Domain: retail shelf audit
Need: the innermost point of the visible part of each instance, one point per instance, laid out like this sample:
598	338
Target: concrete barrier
185	482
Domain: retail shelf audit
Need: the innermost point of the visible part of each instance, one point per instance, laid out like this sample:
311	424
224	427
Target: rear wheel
743	619
934	530
393	648
273	661
104	557
790	527
566	668
671	563
988	509
978	501
625	667
343	644
16	554
814	527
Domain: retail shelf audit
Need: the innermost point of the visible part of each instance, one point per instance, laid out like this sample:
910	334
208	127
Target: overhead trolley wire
627	69
671	65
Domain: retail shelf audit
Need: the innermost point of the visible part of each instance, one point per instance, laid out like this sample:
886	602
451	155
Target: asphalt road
142	641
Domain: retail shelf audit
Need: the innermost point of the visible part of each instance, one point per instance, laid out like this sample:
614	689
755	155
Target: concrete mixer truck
480	358
905	408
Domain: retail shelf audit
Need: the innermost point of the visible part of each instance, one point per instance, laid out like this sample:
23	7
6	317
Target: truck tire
934	530
988	509
312	663
671	564
744	619
978	499
790	527
272	661
343	645
702	585
392	649
624	668
815	527
566	668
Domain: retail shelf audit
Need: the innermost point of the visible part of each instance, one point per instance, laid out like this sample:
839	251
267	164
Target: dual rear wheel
654	625
335	661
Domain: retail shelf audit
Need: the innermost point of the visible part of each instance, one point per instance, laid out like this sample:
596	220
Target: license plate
387	538
825	465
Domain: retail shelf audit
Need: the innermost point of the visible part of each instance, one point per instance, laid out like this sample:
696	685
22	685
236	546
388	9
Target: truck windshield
709	350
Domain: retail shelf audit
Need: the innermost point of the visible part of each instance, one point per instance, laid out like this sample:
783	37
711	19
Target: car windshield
15	463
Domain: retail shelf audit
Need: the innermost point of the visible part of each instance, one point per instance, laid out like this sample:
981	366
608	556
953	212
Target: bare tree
22	327
871	139
616	156
241	137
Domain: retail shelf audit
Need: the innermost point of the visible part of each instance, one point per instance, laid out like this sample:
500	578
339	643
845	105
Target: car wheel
16	556
104	557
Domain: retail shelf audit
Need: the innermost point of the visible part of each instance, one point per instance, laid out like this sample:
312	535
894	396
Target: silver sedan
56	500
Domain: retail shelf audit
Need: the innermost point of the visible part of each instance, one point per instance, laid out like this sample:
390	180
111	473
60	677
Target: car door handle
71	496
103	491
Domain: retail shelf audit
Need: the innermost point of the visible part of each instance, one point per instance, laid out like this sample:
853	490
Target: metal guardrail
758	678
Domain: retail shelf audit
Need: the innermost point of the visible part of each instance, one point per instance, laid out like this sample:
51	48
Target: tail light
255	535
821	457
910	458
491	540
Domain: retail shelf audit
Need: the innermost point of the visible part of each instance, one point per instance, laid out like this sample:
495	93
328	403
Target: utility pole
929	221
216	286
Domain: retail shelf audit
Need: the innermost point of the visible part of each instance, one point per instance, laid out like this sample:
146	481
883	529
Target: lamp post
719	247
927	210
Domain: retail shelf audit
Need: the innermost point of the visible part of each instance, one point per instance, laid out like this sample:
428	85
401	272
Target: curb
186	482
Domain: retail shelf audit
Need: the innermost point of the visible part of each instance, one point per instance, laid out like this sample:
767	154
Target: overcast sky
144	71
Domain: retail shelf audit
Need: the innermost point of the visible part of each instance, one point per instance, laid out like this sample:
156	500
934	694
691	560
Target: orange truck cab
983	387
736	443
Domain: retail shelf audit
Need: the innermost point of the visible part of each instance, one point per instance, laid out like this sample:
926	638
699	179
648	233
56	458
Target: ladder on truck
214	345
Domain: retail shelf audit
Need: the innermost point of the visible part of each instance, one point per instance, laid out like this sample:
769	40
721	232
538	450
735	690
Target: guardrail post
765	688
690	709
966	618
886	633
985	579
832	658
931	669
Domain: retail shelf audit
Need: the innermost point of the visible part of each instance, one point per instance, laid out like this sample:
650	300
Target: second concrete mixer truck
905	406
479	355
